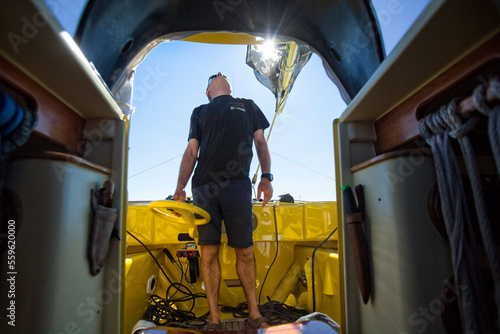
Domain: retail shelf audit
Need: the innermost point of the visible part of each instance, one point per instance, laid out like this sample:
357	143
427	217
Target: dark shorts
231	202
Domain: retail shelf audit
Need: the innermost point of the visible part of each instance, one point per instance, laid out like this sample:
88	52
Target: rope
460	132
479	99
254	179
16	125
494	114
435	131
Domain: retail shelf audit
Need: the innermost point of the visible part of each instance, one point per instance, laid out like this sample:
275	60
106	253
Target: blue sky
301	142
171	81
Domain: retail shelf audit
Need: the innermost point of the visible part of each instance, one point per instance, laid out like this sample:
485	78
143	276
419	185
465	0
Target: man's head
218	85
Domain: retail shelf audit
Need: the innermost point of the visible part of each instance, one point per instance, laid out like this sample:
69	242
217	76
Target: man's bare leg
210	269
245	267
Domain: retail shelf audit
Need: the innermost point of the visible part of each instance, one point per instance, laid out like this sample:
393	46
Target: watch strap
268	176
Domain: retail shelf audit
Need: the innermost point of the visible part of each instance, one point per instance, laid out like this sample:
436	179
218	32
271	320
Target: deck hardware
286	198
150	288
184	237
192	254
171	258
303	279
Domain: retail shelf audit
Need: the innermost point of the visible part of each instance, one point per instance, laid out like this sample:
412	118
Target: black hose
276	254
154	258
312	269
162	310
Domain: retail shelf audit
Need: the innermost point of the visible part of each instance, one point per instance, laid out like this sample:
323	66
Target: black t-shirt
224	129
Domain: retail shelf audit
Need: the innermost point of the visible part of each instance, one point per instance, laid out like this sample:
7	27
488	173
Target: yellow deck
300	228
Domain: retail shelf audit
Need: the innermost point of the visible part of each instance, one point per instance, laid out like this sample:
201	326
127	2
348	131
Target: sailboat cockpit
410	243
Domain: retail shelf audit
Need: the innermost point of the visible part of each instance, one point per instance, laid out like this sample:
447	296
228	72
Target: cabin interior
304	250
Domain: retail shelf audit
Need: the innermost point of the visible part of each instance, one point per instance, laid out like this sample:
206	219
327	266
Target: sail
277	66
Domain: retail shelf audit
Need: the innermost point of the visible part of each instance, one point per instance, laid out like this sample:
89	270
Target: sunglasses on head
215	76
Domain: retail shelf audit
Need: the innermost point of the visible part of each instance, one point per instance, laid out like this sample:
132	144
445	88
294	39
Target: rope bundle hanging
16	125
436	132
479	98
439	129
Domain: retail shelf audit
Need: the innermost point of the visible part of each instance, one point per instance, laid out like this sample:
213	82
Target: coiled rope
479	98
435	129
16	125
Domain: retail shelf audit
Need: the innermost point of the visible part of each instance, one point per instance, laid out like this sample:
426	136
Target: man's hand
265	161
180	195
266	188
187	165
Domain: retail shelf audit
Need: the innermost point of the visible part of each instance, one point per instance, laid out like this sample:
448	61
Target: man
221	136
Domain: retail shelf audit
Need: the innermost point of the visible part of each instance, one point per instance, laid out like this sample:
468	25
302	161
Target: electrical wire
312	269
276	312
182	276
163	311
154	258
276	254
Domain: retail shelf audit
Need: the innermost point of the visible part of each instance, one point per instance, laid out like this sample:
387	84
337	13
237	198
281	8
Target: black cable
154	258
276	254
163	312
159	266
312	269
240	311
276	312
180	282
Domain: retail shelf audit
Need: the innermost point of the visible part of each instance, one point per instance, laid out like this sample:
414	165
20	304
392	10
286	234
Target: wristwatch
268	176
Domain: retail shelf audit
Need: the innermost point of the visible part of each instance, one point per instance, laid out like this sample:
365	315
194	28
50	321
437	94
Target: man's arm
265	163
186	169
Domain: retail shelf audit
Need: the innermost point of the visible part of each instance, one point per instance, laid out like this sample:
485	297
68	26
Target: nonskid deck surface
233	324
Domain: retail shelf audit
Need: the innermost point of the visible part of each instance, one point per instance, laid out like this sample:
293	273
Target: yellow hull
300	228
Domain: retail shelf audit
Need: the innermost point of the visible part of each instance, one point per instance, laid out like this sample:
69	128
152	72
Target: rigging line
161	163
267	140
275	255
295	162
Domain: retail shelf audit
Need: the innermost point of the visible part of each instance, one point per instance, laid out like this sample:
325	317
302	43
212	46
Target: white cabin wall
55	292
409	260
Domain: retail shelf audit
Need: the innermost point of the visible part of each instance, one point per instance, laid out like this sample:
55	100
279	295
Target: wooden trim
400	125
389	156
56	121
65	157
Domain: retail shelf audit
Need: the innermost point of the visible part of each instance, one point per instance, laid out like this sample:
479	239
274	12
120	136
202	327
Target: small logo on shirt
237	106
